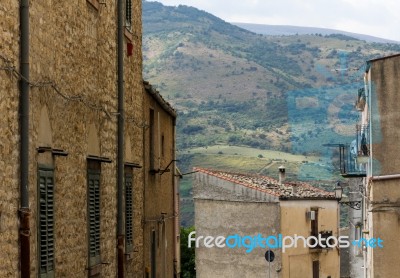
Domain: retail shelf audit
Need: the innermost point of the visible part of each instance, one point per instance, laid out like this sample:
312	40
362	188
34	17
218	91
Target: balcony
349	166
326	241
361	100
354	156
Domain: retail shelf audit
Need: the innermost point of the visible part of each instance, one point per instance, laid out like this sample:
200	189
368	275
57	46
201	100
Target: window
46	222
315	269
152	131
94	212
314	226
153	253
162	146
314	223
128	210
128	13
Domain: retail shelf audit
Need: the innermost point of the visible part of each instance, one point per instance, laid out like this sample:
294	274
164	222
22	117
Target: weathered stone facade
381	194
161	223
229	204
73	108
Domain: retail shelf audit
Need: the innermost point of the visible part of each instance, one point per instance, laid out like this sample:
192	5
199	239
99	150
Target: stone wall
9	147
159	187
73	105
223	218
383	196
222	208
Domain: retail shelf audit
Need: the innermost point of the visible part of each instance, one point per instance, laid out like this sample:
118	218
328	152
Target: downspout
24	212
175	205
144	177
385	177
144	173
120	143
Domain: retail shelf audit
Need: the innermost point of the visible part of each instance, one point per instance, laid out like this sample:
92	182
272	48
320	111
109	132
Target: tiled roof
288	190
161	101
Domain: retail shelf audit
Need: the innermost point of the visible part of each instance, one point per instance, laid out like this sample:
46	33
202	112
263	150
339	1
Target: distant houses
252	205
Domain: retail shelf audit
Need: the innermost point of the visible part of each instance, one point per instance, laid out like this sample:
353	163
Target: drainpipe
385	177
175	183
24	212
144	174
120	143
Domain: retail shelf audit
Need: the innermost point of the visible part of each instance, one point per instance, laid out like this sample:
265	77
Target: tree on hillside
188	267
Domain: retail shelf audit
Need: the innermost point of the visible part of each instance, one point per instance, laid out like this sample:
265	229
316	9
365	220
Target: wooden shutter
153	254
315	269
94	216
46	222
128	213
128	12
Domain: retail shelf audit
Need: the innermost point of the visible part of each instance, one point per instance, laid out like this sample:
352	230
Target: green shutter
94	217
128	214
128	12
46	223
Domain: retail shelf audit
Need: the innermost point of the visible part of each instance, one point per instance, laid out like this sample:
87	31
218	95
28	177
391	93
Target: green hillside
232	87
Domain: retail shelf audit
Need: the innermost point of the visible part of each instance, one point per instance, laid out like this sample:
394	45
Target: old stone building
73	166
250	206
374	162
161	196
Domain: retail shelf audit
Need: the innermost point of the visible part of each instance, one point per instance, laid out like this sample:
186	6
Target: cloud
370	17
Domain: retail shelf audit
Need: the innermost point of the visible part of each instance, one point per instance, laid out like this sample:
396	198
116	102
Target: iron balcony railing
349	166
354	156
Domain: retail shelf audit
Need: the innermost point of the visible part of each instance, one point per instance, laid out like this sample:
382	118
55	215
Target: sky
379	18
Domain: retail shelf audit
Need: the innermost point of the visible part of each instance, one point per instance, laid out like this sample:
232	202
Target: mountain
236	87
249	102
289	30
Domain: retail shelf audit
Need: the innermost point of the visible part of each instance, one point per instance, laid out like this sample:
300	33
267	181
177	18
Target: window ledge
128	34
95	4
129	256
94	270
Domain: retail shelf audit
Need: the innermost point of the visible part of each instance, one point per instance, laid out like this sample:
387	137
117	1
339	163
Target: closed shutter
128	213
128	12
315	269
46	223
94	216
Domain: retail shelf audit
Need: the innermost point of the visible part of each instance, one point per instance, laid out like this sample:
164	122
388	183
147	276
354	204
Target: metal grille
46	223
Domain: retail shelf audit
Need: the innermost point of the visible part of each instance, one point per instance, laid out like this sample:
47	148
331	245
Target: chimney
281	174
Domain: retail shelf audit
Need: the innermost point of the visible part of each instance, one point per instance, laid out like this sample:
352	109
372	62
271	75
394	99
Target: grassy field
253	152
314	169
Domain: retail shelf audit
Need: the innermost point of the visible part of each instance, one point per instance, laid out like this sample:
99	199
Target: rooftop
161	101
287	190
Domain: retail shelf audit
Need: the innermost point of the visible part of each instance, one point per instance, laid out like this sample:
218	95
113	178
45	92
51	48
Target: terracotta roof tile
288	190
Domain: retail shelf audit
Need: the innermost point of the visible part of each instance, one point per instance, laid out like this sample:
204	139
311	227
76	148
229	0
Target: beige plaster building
249	205
161	192
377	162
74	139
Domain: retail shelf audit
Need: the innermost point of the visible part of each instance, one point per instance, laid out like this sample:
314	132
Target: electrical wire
71	98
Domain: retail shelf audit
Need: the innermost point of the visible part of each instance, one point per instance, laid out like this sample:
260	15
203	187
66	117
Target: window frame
152	138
